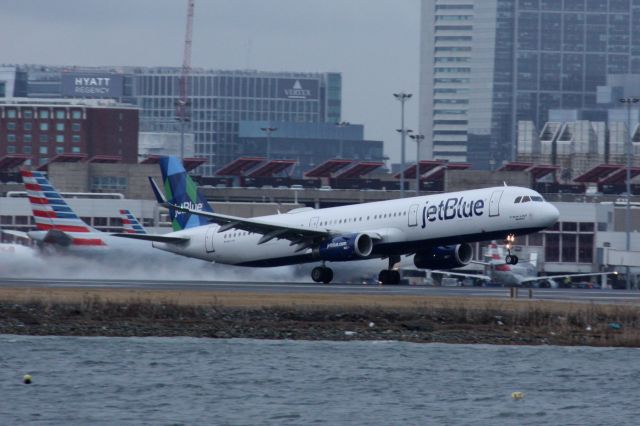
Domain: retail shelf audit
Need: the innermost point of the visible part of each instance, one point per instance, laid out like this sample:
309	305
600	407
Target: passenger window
517	200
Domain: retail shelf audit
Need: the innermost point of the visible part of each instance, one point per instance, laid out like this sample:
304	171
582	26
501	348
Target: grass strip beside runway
121	312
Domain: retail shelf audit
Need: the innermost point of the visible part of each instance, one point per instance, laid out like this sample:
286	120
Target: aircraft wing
153	237
463	275
553	277
268	230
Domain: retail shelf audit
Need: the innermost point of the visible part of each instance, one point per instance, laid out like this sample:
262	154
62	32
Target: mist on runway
32	263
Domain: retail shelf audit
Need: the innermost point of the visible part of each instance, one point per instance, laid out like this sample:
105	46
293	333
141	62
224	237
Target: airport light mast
402	97
182	105
628	102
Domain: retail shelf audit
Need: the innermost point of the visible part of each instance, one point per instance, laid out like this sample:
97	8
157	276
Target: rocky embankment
447	322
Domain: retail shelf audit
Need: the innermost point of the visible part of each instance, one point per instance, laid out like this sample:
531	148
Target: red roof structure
619	176
425	166
193	162
515	166
189	163
597	173
63	158
438	172
271	168
238	166
541	170
327	168
359	169
105	159
11	161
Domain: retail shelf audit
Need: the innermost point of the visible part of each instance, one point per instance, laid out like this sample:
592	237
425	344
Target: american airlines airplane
58	226
524	274
436	229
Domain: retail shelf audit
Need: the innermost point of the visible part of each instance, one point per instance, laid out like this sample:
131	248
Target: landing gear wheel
322	274
387	276
511	259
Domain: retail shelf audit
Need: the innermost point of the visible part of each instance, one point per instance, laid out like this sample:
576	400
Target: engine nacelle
345	247
444	257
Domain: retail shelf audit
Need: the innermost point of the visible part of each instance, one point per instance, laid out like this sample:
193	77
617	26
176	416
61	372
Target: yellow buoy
517	395
26	379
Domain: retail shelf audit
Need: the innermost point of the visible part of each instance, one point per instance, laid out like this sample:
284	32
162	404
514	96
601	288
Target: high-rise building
220	100
485	64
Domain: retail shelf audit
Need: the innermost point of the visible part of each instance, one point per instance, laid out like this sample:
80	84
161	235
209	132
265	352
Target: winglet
156	191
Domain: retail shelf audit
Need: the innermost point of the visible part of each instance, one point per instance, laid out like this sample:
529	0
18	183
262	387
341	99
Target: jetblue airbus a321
437	229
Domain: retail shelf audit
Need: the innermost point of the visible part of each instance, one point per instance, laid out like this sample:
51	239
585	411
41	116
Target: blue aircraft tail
181	190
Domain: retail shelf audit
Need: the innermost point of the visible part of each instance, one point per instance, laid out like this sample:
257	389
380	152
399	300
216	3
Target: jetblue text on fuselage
452	208
190	205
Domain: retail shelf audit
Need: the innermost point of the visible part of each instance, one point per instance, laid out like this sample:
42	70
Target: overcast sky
373	43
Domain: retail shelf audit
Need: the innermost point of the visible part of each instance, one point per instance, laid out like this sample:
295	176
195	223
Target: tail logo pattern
181	190
130	223
52	213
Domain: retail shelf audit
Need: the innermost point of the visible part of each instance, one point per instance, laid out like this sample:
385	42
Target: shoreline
122	313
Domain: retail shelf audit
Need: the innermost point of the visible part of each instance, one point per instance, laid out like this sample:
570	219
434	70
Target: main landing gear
510	259
390	276
322	274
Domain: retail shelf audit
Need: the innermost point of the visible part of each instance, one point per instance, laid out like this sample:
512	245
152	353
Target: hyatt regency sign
85	85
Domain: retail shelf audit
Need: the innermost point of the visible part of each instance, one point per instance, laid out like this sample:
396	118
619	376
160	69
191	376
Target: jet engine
345	247
444	257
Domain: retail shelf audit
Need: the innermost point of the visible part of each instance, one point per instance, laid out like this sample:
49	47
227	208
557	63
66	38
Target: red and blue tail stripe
130	223
51	211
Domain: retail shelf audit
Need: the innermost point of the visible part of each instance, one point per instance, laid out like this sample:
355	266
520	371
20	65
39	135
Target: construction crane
182	106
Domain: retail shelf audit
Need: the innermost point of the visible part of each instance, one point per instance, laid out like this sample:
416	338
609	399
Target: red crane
182	104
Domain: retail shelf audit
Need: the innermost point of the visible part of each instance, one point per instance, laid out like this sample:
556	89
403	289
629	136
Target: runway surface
577	295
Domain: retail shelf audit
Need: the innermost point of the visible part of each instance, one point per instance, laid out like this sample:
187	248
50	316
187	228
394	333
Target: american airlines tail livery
435	228
59	226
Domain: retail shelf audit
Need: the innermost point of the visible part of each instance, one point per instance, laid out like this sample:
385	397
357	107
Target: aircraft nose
552	214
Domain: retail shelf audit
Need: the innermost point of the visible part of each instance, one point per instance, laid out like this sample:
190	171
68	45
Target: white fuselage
398	226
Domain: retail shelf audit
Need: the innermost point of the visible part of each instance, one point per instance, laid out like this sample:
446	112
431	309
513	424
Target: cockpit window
536	198
517	200
526	199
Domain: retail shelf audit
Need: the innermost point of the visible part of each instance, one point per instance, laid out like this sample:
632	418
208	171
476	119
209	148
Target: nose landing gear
510	259
390	276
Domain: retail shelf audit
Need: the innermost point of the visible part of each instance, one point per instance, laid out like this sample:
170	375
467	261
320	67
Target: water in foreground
96	380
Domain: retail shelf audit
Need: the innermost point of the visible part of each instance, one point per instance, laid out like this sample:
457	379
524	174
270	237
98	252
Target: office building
218	100
310	144
486	64
221	100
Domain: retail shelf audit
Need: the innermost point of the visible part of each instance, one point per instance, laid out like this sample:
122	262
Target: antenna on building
182	114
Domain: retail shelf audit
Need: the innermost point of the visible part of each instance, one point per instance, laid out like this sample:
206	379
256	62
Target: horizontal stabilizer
157	238
13	233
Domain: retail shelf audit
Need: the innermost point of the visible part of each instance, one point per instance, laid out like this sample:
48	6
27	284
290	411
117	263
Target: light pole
268	131
183	117
402	97
418	138
628	102
341	125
